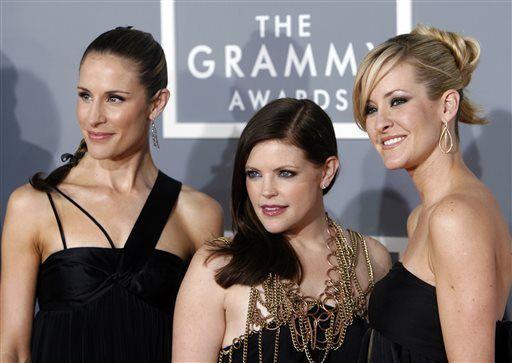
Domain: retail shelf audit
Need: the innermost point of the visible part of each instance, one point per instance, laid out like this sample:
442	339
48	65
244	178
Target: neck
311	235
122	174
437	175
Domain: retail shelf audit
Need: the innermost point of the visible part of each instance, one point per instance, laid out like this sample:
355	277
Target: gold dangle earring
445	140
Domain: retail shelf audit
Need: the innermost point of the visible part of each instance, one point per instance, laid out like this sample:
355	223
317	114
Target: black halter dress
405	325
111	304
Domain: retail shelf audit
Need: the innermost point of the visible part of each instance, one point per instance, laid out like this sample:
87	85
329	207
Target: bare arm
462	256
380	258
199	316
20	263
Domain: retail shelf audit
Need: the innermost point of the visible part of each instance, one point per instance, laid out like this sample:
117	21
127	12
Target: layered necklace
315	324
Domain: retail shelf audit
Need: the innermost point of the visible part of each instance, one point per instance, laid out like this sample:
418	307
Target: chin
273	224
100	154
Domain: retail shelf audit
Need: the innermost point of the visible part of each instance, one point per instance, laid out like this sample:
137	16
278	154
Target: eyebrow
108	92
389	93
248	167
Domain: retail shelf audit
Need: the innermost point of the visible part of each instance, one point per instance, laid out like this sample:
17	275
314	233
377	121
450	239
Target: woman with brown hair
445	300
101	241
291	285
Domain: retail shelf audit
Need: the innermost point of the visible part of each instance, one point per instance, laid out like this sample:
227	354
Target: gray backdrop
42	42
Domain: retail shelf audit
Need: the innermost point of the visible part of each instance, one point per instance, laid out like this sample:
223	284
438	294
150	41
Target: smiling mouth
99	135
273	210
394	141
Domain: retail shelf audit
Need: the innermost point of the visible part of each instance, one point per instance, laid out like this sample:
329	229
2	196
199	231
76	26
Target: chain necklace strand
315	324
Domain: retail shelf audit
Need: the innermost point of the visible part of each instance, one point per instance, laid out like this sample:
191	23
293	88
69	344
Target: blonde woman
443	300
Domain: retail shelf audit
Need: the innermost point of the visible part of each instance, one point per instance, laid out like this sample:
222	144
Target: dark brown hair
139	47
254	252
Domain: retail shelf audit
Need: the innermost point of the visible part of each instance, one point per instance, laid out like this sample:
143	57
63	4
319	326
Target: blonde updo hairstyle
443	60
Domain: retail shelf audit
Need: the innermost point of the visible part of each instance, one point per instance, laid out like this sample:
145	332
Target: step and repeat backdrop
228	58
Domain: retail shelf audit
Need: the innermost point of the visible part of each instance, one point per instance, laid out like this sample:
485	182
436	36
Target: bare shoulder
30	206
205	264
379	257
195	204
462	231
200	214
460	213
27	202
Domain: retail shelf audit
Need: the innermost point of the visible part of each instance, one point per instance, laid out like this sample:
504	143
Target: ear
329	170
450	100
158	103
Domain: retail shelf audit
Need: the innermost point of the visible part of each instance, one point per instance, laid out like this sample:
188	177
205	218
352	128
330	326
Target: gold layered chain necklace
315	324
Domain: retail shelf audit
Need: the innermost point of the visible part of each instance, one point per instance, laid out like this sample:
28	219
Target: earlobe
330	168
159	102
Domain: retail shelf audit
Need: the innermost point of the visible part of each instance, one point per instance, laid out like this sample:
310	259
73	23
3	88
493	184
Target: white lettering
261	19
208	64
233	54
301	94
287	25
341	66
317	94
258	100
236	101
343	105
263	62
303	24
300	66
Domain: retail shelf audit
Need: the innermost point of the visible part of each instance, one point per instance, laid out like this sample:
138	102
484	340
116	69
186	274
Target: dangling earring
445	139
154	135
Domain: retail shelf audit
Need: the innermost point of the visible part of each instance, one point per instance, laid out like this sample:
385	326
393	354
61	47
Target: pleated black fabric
111	305
405	325
348	352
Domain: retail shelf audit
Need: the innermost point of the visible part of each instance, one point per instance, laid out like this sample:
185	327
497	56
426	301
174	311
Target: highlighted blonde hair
442	60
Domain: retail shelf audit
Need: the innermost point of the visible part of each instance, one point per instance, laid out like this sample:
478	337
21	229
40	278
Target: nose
96	114
268	188
384	121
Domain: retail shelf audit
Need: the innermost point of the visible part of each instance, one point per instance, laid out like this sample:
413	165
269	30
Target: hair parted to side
442	60
254	252
149	58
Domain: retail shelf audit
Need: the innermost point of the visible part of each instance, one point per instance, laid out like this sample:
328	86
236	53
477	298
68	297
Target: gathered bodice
107	304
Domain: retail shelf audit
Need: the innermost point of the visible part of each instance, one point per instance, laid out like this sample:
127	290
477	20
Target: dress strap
151	222
359	241
59	223
88	215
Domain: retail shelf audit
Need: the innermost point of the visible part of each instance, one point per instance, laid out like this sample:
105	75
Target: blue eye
398	101
369	110
287	173
251	174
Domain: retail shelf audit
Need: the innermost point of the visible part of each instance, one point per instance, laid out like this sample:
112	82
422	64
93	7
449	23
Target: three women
291	284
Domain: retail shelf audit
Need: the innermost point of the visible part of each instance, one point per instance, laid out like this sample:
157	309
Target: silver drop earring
154	135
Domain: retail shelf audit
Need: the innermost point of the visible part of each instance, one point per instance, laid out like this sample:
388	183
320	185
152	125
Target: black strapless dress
405	325
348	352
106	304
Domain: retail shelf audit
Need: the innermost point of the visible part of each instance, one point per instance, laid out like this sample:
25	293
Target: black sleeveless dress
107	304
405	325
348	352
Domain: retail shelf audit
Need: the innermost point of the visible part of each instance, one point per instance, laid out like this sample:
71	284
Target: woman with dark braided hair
101	241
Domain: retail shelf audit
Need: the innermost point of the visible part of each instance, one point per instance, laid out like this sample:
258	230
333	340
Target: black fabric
405	325
111	305
348	352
